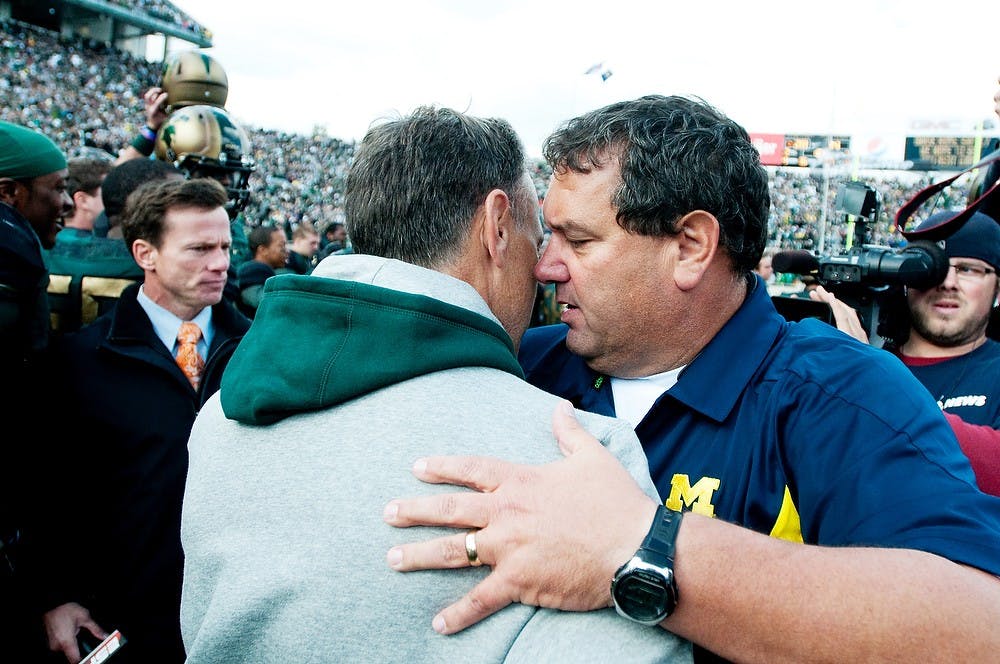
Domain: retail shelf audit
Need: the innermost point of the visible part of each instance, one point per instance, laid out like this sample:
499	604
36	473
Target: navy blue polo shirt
798	431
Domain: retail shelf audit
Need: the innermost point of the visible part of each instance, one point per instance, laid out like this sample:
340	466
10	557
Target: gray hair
417	181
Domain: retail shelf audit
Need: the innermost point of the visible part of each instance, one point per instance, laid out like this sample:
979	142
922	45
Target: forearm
982	445
749	597
129	153
141	147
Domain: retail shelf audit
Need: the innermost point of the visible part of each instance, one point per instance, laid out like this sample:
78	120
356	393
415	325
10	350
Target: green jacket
86	276
331	358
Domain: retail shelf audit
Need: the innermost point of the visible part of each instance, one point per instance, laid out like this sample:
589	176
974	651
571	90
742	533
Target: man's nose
950	278
550	268
220	260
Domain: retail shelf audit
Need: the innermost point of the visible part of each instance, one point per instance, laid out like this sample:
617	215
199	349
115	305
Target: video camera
867	277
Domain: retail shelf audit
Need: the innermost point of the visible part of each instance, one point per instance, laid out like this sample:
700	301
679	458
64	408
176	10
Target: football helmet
204	141
193	77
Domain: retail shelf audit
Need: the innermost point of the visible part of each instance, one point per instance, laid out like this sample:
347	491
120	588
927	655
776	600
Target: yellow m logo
697	498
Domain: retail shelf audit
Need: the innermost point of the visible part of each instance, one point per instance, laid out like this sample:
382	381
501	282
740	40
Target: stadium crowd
165	11
83	93
797	203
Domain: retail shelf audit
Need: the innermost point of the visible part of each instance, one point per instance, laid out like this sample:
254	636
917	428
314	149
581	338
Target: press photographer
868	278
945	343
930	303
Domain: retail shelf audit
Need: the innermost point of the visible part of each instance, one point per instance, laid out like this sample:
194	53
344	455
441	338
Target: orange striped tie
188	358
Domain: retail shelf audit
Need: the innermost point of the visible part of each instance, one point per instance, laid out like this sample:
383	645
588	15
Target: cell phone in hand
95	651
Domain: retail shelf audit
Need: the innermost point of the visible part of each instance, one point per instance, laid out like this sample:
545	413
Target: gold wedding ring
470	549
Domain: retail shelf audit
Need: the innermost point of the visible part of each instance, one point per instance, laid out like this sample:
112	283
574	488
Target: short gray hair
417	181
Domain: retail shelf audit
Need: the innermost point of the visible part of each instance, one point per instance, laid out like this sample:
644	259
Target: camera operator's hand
844	316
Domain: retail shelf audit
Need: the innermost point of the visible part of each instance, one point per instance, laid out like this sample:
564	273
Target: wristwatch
644	589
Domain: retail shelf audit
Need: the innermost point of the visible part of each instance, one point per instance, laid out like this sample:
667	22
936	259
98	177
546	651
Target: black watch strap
662	537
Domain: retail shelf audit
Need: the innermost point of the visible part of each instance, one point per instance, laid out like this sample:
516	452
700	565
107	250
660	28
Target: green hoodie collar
317	342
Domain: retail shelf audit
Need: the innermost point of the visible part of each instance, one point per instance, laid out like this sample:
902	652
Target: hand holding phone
95	651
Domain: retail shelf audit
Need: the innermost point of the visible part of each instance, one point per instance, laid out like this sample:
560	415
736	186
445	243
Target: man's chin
48	236
211	294
947	336
579	343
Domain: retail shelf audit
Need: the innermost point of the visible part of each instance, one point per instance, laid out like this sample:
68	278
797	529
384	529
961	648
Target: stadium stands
83	93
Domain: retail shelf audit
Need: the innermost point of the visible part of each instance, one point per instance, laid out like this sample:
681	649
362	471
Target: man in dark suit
109	545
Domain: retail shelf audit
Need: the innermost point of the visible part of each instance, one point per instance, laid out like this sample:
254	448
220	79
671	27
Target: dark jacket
120	461
24	313
24	326
252	276
298	263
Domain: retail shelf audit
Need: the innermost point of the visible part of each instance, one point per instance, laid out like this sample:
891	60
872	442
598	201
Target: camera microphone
921	264
798	261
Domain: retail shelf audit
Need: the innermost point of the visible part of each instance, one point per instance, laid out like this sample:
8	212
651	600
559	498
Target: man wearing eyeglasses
947	348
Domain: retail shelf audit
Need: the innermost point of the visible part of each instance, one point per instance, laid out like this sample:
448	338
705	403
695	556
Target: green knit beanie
27	154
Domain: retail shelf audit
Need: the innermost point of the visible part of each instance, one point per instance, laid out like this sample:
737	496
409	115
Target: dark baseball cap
979	237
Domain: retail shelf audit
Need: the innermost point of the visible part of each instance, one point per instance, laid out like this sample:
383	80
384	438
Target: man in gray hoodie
404	348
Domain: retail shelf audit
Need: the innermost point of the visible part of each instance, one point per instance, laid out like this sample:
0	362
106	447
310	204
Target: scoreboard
798	150
806	150
950	153
923	153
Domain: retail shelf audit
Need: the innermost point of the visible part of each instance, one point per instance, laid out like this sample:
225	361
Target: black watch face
644	596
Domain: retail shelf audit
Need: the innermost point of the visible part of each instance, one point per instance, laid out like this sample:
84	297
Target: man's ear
80	199
144	254
697	245
8	191
497	225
